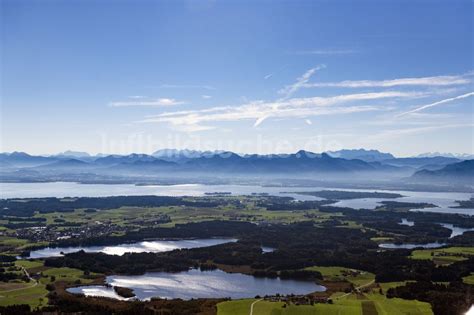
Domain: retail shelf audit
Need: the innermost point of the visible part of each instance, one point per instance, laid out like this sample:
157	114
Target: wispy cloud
289	90
206	97
326	52
421	81
291	108
192	128
154	102
187	86
268	76
437	103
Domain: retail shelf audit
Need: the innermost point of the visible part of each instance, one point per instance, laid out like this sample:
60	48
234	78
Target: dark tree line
452	298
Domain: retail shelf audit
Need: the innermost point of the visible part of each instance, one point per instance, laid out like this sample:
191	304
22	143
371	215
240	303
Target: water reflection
200	284
266	249
455	230
98	291
139	247
407	222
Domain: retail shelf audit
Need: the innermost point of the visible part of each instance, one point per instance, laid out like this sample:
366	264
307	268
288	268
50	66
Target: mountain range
462	156
361	154
174	162
461	171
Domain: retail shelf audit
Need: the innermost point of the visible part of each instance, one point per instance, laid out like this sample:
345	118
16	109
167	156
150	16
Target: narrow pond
199	284
411	246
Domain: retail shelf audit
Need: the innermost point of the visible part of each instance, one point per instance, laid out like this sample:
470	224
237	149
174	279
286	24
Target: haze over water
443	200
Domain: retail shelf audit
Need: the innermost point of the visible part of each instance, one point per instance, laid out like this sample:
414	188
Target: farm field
469	279
444	256
34	292
356	277
370	304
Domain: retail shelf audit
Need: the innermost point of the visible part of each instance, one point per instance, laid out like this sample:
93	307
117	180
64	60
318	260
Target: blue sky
248	76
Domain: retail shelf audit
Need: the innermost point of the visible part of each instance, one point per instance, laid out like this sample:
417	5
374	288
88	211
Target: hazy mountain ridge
169	162
461	156
458	171
361	154
22	159
72	154
63	164
420	162
179	156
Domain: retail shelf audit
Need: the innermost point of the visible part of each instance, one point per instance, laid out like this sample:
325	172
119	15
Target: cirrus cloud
444	80
301	81
291	108
153	102
451	99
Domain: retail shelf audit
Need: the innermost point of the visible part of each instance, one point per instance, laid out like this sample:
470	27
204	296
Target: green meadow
372	303
443	256
34	292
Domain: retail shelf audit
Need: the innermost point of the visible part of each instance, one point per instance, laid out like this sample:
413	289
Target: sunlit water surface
199	284
139	247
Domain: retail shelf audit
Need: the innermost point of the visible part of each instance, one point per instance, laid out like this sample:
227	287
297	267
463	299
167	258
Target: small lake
266	249
199	284
455	230
407	222
139	247
411	246
443	200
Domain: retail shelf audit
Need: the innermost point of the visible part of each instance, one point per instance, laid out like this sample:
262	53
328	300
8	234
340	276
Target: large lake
199	284
139	247
443	200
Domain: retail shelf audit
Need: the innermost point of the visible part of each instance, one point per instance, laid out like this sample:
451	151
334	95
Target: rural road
251	306
357	288
35	283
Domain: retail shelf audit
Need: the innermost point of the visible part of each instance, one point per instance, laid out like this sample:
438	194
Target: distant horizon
90	154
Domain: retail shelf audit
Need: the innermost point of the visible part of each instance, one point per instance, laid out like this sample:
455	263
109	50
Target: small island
124	292
404	206
465	204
